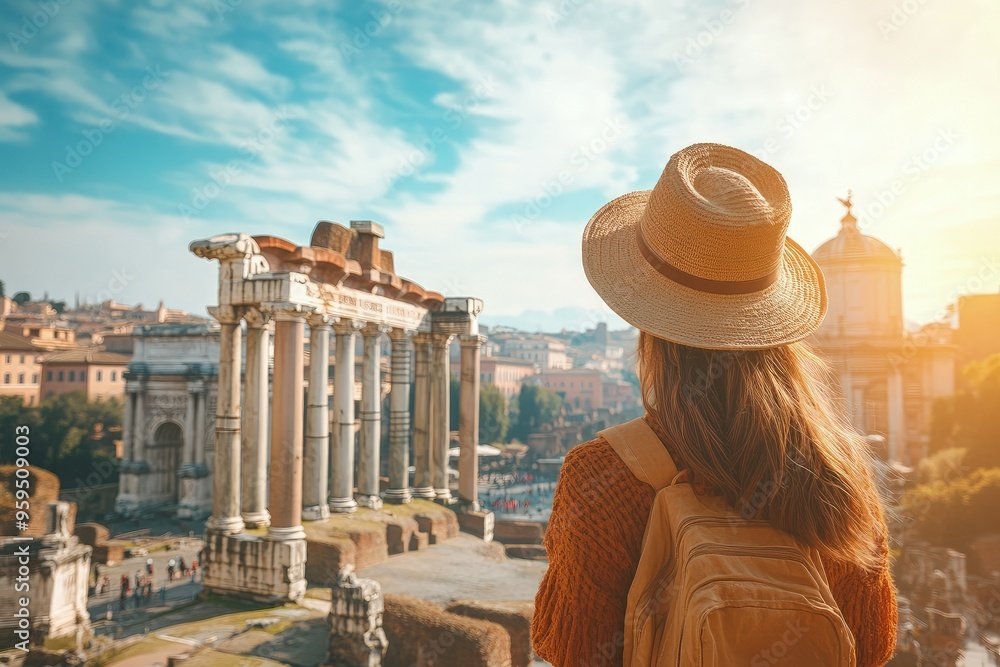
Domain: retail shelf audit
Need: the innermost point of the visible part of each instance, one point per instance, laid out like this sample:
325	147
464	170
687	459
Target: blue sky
481	135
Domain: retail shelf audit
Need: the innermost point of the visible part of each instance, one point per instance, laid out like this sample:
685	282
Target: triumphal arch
287	455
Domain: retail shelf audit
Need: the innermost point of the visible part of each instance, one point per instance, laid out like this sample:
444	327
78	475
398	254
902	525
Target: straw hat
702	259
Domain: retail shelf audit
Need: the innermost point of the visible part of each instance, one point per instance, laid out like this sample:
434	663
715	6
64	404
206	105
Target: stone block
327	559
526	551
252	567
518	532
422	634
513	616
399	532
438	524
419	541
372	547
480	524
355	621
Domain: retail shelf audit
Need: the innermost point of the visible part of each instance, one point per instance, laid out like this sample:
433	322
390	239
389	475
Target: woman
722	299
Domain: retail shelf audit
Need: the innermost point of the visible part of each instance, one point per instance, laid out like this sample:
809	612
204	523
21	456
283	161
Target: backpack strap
644	454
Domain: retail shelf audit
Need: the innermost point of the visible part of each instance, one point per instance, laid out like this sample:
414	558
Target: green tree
493	420
3	289
971	419
60	431
955	512
21	297
536	405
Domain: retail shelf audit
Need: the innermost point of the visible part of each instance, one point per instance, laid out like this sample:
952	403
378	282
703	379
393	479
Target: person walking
737	521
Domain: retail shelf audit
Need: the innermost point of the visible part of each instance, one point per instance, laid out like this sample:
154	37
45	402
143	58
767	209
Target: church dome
851	246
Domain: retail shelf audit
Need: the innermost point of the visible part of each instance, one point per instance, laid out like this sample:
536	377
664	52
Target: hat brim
787	311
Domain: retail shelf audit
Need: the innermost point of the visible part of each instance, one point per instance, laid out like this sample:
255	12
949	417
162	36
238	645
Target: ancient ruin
289	457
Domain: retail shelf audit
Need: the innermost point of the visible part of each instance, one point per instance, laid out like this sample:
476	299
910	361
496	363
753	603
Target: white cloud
13	119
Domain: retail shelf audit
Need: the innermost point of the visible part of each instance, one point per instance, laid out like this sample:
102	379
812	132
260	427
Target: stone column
190	412
468	422
369	449
316	490
255	417
226	516
200	409
896	442
285	487
139	423
128	428
440	423
342	461
399	419
423	481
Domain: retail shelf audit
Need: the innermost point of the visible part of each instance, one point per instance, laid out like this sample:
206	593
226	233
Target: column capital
135	387
399	335
441	339
372	329
344	326
287	310
226	314
196	387
257	318
422	338
472	340
319	320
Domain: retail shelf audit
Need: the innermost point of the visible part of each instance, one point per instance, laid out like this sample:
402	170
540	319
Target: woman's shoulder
593	474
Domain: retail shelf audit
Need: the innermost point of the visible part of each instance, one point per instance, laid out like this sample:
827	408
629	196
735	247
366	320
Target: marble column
285	486
128	428
139	424
468	421
316	489
896	442
423	481
200	410
342	460
399	419
226	516
440	416
255	417
190	413
369	454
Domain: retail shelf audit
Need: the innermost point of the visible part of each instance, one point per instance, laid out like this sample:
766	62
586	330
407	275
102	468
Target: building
580	389
280	455
540	349
504	373
888	377
96	373
20	370
170	390
978	326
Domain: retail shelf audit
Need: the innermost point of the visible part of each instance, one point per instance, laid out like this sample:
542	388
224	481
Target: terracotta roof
86	356
9	341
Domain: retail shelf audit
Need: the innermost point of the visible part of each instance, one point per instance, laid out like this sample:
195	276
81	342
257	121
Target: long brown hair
761	427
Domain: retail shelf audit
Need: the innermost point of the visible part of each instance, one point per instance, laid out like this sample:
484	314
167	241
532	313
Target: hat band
668	270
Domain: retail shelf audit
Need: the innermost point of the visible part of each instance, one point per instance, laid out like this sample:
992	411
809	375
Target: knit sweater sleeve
868	602
598	517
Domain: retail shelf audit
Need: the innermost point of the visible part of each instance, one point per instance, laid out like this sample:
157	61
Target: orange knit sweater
593	541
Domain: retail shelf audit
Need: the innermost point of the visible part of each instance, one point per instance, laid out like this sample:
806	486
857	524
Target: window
48	376
100	375
20	378
72	376
6	378
34	379
83	375
114	376
60	376
22	358
6	359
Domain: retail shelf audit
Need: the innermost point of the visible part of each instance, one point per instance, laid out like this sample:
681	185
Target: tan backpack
713	588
